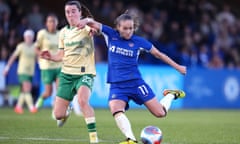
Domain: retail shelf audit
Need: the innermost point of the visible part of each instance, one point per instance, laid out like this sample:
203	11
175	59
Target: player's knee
160	114
58	115
47	93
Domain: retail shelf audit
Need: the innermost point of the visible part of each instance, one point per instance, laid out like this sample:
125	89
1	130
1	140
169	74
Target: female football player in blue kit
124	77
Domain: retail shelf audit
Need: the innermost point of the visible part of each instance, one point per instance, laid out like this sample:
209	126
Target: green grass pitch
179	127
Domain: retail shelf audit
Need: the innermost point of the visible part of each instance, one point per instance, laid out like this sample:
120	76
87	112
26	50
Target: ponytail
86	12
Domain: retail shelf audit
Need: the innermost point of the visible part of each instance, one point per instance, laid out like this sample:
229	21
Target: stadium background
201	34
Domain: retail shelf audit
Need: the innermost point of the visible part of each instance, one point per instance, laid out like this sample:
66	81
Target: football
151	135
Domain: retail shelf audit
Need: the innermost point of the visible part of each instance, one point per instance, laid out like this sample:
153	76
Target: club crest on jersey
131	44
114	96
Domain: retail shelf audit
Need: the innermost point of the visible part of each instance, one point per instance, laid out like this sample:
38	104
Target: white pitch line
4	138
54	139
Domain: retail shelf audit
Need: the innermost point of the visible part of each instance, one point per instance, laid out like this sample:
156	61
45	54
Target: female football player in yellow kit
76	51
25	71
47	39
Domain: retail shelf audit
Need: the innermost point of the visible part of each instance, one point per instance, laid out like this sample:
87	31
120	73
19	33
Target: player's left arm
155	52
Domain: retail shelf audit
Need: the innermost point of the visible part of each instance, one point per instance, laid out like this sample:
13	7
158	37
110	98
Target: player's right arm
56	57
155	52
12	58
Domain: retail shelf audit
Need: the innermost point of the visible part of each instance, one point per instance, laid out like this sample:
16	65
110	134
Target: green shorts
49	76
23	78
69	84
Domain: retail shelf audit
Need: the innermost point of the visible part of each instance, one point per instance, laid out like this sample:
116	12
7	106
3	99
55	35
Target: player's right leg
117	108
83	95
47	92
61	111
48	77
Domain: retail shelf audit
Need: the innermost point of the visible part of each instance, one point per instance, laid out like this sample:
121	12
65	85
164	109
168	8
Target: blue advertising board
205	88
212	88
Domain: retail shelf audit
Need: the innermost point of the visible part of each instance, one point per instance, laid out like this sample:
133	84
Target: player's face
126	28
28	39
51	23
72	14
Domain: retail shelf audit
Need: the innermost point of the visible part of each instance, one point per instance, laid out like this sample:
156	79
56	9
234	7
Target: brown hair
81	7
51	15
127	16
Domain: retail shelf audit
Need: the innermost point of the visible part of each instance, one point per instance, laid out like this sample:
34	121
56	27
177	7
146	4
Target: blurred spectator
2	37
106	8
4	8
13	40
223	40
204	56
23	25
17	12
216	62
195	33
216	57
5	23
226	15
35	18
3	52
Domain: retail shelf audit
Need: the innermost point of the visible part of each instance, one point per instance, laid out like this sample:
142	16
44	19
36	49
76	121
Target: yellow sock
91	125
29	100
21	99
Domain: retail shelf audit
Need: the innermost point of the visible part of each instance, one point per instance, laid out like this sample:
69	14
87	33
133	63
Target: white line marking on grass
54	139
4	138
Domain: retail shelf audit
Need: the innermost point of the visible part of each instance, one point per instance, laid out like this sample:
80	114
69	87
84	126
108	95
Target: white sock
166	101
124	125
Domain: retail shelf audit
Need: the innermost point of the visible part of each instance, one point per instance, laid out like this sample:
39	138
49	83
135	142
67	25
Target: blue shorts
136	90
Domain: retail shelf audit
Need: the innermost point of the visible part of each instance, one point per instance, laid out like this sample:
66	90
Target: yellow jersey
27	58
78	49
47	41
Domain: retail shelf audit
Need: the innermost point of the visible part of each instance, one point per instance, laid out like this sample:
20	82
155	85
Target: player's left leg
155	107
27	87
160	109
83	95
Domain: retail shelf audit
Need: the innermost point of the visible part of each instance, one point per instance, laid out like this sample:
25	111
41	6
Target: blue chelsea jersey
123	55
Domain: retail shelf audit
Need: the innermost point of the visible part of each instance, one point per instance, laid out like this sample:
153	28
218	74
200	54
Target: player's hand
82	23
182	69
5	71
93	32
45	55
